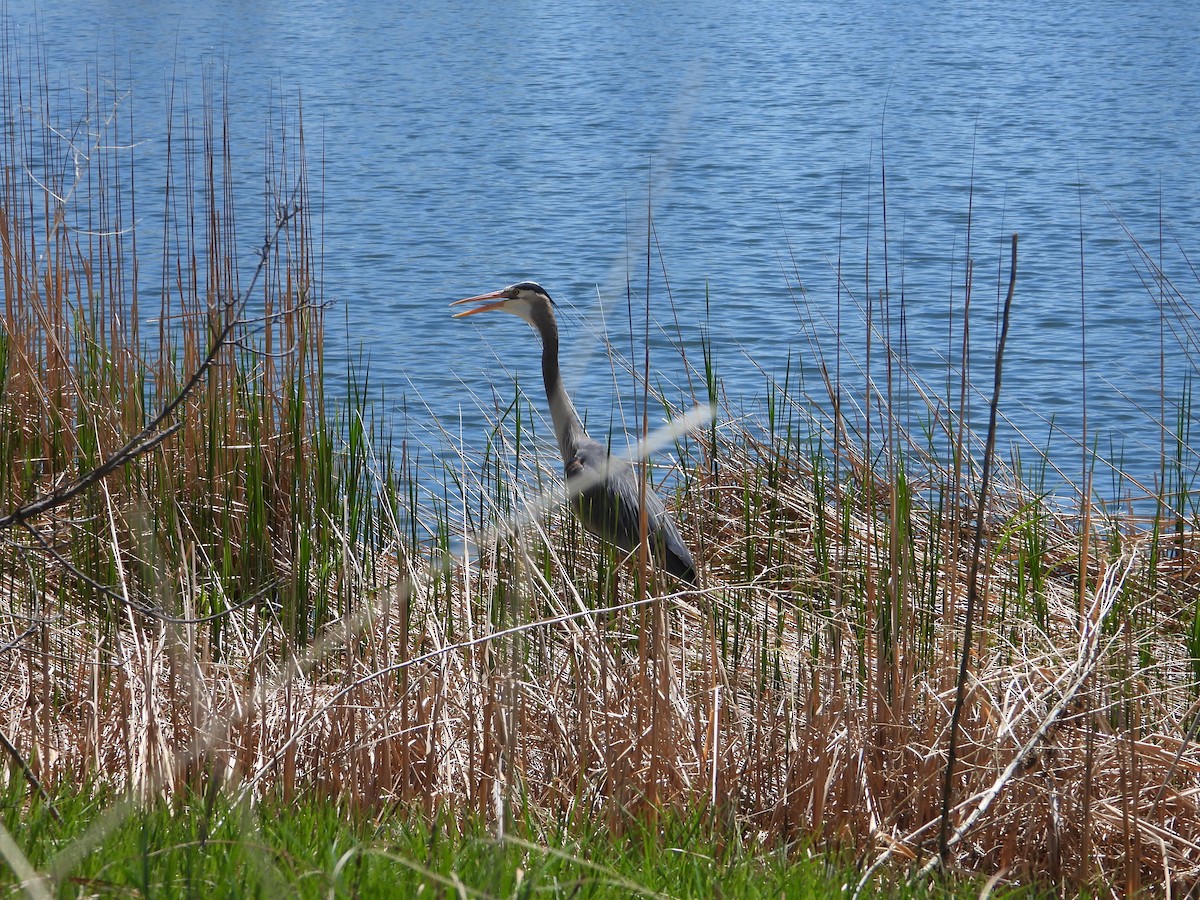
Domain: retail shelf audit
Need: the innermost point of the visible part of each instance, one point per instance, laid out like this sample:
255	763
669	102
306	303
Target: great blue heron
609	505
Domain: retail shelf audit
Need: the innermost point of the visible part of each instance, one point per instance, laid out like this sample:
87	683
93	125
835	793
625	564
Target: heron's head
526	299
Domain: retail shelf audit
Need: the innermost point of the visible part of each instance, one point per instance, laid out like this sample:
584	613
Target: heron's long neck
567	426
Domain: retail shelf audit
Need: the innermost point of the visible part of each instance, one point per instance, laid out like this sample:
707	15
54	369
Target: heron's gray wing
609	508
672	552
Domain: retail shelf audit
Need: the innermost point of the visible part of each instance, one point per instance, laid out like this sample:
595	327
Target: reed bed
267	602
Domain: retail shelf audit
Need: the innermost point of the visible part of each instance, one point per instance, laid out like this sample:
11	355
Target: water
468	145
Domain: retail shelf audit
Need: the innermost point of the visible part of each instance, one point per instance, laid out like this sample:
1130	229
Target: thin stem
973	570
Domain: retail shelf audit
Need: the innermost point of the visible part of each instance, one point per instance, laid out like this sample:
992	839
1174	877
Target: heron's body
603	489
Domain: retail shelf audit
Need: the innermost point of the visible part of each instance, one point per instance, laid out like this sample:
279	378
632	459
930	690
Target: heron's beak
499	296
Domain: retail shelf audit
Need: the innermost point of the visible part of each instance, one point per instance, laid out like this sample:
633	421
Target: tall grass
269	603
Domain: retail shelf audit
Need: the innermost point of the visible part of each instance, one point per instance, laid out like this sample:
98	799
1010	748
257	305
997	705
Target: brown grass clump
243	606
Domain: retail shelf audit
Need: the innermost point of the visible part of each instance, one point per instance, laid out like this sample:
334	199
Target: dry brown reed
777	716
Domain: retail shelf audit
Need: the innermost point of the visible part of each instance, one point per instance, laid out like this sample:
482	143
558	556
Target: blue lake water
463	146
